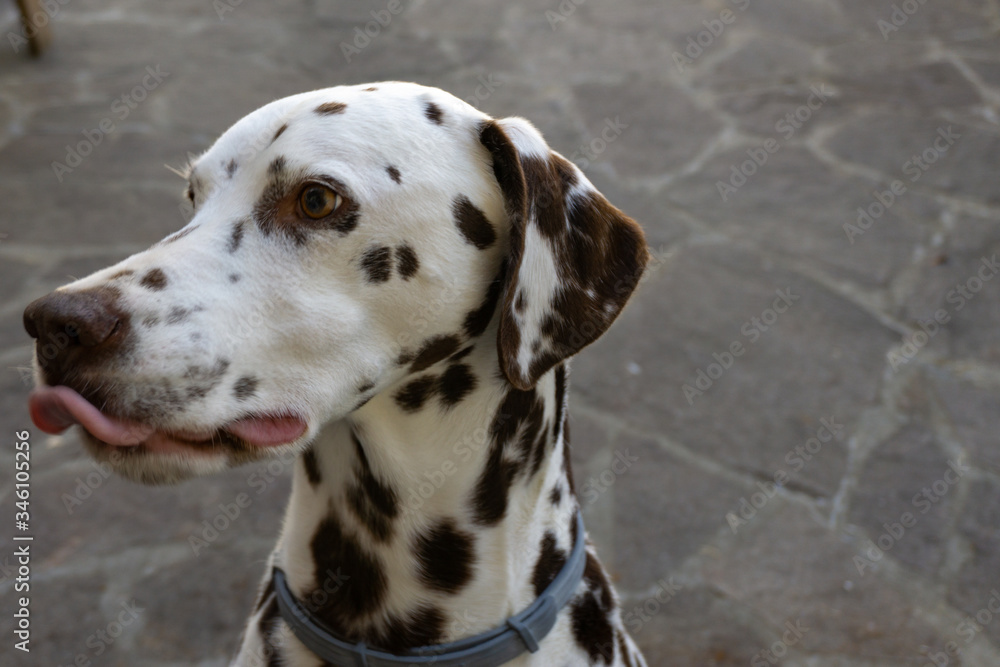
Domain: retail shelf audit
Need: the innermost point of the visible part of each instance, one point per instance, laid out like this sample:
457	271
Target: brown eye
318	201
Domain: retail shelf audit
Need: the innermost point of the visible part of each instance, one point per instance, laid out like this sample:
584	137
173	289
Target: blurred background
788	448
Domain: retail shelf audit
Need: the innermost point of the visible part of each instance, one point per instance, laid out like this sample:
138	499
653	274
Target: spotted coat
382	286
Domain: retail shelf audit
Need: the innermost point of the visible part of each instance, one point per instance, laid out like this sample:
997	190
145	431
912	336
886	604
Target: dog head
342	240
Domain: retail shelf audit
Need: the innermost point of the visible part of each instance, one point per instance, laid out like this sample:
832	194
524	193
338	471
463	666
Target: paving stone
976	586
948	22
190	618
817	202
813	21
803	573
787	113
714	295
85	212
756	61
960	164
621	118
975	414
666	507
697	626
905	89
891	486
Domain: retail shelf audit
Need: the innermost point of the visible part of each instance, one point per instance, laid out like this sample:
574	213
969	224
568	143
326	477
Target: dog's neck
423	524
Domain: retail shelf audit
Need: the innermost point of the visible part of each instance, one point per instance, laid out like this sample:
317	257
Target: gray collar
521	632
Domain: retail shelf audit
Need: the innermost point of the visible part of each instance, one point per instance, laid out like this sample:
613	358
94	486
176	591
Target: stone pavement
820	184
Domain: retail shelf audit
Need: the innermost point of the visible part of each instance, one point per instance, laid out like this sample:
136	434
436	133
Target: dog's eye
318	201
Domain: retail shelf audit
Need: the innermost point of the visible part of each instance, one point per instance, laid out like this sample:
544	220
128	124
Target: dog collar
521	632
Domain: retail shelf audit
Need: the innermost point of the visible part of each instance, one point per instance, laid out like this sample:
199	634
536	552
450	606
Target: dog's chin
141	465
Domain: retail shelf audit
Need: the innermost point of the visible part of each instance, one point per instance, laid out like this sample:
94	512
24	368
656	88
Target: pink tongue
54	409
267	431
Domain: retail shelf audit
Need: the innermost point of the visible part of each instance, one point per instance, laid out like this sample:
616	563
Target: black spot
551	560
555	497
406	261
346	224
394	174
560	401
189	193
231	168
245	388
269	618
445	556
236	237
362	592
377	263
311	466
277	165
455	384
434	113
479	319
155	279
413	396
374	503
331	108
592	630
279	132
234	277
434	350
461	354
422	627
594	575
472	222
489	498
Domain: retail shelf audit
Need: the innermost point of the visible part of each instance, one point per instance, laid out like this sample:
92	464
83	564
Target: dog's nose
73	319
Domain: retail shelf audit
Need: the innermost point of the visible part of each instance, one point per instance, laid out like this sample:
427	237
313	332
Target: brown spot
370	89
434	350
234	277
472	222
331	108
414	394
434	113
477	321
122	274
592	629
179	235
155	279
280	131
231	167
277	165
377	263
406	261
394	174
551	560
361	592
311	466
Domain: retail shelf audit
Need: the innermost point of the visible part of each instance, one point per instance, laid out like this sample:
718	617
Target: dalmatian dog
381	287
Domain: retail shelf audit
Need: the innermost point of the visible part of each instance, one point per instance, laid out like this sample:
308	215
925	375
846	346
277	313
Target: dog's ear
574	258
